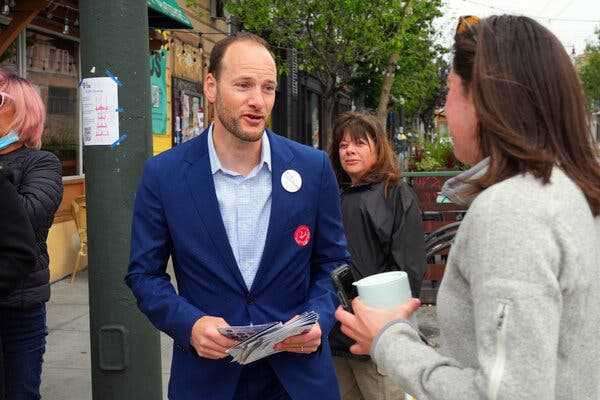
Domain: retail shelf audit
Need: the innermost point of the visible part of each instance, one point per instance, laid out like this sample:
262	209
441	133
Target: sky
572	21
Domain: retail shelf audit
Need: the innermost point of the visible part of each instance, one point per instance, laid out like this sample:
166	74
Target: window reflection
53	65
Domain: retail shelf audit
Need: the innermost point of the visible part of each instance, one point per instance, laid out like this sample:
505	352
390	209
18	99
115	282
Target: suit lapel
202	187
281	202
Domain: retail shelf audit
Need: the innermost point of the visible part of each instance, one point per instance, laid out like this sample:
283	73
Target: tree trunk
390	71
327	118
386	88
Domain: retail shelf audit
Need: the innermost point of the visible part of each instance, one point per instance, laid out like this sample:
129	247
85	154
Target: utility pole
125	347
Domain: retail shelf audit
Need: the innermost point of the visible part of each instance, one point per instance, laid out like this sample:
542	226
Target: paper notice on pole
100	118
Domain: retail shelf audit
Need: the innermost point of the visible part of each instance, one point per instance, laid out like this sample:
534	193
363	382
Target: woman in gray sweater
519	305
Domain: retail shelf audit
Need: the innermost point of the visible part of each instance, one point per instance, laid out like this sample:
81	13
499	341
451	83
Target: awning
167	14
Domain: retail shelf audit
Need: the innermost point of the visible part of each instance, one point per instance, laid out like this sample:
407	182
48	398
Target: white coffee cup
385	290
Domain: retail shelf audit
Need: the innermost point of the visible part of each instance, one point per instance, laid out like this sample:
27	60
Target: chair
433	237
437	247
79	211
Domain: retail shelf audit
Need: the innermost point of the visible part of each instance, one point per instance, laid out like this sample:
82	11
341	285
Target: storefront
177	71
46	51
179	110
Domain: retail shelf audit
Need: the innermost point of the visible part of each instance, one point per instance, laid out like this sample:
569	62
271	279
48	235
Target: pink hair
30	112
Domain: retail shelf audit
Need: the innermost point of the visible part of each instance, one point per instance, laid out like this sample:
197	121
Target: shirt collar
215	163
458	188
357	188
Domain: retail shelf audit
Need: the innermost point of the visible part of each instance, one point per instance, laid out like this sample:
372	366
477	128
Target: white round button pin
291	180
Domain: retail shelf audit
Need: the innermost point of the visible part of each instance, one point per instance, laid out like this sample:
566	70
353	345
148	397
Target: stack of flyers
242	333
260	340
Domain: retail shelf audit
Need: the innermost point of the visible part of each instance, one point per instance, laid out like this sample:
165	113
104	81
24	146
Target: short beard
232	124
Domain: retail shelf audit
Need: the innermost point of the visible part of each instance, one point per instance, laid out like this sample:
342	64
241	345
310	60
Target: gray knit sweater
519	305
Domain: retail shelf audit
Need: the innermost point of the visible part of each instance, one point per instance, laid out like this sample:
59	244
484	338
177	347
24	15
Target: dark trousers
2	393
259	382
23	336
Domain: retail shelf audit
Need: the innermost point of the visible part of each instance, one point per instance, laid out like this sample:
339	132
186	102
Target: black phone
343	280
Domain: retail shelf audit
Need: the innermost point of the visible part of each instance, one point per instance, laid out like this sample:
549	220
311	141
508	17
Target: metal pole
125	347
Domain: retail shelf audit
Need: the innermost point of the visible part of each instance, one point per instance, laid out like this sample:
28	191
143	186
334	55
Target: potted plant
431	164
434	155
63	144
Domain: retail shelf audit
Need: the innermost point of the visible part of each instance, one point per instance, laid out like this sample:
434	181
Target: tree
589	72
409	70
336	39
434	95
419	86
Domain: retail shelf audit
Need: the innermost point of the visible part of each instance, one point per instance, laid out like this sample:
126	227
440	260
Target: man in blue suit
252	222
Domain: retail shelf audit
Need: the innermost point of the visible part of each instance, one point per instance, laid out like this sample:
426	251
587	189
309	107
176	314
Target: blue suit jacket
176	213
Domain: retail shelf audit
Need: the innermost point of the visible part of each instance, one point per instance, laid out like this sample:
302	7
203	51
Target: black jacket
385	233
18	249
38	180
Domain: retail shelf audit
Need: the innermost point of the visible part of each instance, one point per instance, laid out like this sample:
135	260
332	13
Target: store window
187	110
8	60
53	66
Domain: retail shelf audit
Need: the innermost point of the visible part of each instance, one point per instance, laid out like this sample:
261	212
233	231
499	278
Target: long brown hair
362	126
529	103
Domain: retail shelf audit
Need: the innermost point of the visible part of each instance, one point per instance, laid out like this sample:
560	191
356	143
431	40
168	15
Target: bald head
218	52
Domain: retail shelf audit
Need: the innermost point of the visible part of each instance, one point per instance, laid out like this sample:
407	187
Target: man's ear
210	88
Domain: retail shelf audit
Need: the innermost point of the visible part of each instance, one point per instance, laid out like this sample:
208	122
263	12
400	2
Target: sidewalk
67	367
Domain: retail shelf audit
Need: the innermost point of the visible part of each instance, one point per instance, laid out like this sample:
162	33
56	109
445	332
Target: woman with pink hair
36	176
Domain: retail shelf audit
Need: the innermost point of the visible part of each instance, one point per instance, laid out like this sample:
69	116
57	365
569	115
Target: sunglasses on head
4	98
467	23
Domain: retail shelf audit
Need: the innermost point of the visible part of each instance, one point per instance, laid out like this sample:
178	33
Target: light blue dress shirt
245	205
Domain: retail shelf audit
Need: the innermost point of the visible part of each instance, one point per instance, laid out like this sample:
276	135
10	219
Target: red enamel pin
302	235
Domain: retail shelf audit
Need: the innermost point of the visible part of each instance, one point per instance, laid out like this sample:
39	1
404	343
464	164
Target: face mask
8	139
